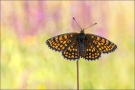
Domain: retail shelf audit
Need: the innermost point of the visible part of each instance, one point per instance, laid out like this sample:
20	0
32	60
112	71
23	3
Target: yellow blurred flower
41	87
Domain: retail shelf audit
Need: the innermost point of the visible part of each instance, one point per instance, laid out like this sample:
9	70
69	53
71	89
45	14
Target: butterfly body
81	43
76	45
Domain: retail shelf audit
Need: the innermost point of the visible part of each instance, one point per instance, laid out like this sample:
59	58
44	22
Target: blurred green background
28	63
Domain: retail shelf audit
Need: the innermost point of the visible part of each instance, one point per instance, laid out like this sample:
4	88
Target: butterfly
80	45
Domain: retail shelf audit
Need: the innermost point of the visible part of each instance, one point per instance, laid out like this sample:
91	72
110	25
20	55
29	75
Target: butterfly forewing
100	43
60	42
71	52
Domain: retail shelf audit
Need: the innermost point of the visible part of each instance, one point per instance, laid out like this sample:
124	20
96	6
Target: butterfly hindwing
91	53
100	43
71	52
60	42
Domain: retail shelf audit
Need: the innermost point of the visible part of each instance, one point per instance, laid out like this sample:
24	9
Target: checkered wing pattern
101	44
61	42
91	53
71	52
69	46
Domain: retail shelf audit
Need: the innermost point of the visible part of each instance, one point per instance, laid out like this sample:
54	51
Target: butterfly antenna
76	22
90	25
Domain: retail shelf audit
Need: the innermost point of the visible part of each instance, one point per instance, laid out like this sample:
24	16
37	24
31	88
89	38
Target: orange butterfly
76	45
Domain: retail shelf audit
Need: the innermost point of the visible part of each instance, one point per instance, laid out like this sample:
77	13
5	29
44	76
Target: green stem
77	66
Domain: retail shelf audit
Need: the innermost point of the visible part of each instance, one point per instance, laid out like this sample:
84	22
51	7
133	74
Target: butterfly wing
101	44
71	52
91	53
60	42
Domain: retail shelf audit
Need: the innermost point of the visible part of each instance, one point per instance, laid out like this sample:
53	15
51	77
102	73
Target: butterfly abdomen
81	47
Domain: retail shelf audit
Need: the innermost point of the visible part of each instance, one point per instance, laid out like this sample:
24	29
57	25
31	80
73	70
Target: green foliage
35	66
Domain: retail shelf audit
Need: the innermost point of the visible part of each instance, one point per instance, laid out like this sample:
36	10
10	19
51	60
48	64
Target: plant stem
77	66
